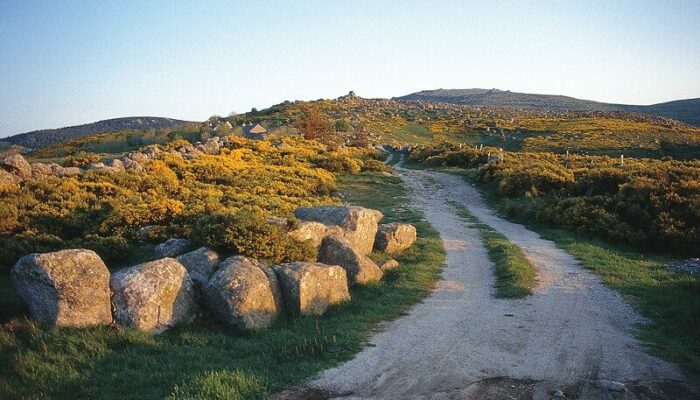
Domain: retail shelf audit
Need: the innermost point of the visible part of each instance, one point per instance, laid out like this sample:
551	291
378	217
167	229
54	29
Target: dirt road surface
573	334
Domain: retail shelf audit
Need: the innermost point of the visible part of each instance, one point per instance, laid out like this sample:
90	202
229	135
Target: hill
687	111
46	137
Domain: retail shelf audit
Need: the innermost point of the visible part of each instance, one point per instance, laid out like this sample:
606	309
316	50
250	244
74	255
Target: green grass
670	300
515	275
206	360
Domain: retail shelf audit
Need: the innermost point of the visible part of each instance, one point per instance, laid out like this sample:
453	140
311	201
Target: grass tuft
515	275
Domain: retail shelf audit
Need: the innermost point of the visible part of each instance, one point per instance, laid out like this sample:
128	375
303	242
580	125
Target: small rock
172	247
310	288
389	265
558	394
244	293
64	288
153	296
336	250
200	264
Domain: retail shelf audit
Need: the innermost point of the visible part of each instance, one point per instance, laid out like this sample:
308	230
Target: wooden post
622	159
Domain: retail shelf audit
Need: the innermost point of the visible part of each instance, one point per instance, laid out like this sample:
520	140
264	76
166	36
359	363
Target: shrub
375	166
248	232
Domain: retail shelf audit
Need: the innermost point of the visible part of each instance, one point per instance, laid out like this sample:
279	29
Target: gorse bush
247	231
650	204
104	211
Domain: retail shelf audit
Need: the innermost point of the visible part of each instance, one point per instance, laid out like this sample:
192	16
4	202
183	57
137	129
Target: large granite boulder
64	288
244	293
200	264
172	247
18	166
153	296
310	288
313	232
359	224
394	237
336	250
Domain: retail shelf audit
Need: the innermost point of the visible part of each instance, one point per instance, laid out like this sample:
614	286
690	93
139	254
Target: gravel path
572	334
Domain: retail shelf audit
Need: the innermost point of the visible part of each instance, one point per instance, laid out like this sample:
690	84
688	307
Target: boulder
18	166
153	296
200	264
66	171
244	293
116	165
8	178
172	247
97	165
139	157
310	288
336	250
395	237
131	165
64	288
389	265
313	231
41	169
359	224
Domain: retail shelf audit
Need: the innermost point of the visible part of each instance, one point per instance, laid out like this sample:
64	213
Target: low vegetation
515	275
653	205
206	360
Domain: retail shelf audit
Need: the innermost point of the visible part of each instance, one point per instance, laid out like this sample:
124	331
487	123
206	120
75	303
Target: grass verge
515	275
670	300
206	360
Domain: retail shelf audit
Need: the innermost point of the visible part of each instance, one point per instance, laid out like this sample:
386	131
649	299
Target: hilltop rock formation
310	288
336	250
64	288
200	264
244	293
153	296
394	237
359	224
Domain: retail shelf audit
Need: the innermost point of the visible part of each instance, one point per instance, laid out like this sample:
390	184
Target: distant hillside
46	137
687	111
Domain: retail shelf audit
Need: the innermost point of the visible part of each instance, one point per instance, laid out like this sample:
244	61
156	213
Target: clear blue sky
69	62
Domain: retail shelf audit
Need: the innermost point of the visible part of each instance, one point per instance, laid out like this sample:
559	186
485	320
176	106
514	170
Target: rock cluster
74	287
15	169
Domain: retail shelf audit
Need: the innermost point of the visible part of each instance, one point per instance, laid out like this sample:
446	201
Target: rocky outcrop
359	224
172	247
389	265
336	250
310	288
244	293
41	169
64	288
17	165
153	296
65	171
394	237
200	264
8	178
313	232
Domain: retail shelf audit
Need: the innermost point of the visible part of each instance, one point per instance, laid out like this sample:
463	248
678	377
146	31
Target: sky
67	62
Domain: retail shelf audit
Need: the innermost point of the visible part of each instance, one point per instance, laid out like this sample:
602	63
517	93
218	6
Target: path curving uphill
573	334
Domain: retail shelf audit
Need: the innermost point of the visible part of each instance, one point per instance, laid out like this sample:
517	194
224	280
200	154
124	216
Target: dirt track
573	334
